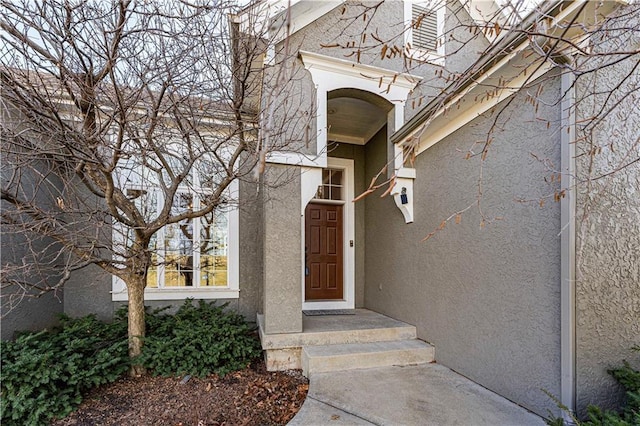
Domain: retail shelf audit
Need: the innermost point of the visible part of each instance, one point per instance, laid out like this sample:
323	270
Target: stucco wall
608	227
345	24
251	237
19	310
32	315
25	313
487	297
282	256
89	292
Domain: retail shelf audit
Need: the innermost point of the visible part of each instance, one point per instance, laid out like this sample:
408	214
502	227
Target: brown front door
323	252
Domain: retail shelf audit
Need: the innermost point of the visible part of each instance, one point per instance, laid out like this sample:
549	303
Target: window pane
336	177
331	188
326	175
213	249
322	192
326	192
178	246
148	204
152	272
336	193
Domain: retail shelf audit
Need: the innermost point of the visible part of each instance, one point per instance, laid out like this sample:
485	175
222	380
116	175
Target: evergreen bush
198	340
44	374
629	415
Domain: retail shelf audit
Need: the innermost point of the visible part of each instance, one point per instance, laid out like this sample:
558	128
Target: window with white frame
425	20
332	187
194	257
192	253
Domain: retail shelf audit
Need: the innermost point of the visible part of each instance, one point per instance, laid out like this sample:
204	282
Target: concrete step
364	328
351	356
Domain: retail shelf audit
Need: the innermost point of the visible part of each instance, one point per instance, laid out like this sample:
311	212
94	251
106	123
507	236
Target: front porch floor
285	350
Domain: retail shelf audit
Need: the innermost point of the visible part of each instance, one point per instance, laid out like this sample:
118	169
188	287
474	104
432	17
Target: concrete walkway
428	394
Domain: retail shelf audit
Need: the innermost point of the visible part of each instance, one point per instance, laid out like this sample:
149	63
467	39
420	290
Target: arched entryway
333	241
355	105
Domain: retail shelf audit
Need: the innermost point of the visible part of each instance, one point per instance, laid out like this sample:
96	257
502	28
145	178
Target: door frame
348	223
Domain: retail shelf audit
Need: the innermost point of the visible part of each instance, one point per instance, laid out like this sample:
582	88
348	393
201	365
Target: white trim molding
329	74
372	79
296	159
178	294
310	180
300	13
480	97
349	301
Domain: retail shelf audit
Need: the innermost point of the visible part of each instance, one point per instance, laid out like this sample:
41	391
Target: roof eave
499	54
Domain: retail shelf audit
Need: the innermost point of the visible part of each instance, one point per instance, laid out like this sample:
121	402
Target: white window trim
422	55
349	272
231	291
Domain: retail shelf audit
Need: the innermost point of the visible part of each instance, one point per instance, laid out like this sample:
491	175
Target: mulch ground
249	397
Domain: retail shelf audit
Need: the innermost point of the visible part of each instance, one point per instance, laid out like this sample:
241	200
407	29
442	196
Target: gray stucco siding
487	296
282	250
20	311
250	251
22	308
608	212
338	28
88	291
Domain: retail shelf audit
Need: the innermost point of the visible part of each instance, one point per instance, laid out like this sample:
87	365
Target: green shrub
629	378
45	373
198	340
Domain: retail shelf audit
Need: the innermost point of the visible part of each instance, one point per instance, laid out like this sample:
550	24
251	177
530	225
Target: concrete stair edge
326	358
336	337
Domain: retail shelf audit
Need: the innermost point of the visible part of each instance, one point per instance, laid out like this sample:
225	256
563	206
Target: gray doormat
330	312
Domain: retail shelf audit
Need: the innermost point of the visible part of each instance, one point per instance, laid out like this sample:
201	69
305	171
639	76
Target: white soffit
273	14
302	12
355	121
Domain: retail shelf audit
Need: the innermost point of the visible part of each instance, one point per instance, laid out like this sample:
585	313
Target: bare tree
121	119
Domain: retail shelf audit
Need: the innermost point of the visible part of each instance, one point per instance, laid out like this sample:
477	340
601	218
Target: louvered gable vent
424	25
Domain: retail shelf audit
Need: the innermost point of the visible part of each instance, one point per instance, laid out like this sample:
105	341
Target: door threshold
324	305
319	312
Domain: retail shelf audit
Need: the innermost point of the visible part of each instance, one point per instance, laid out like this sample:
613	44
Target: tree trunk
136	329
